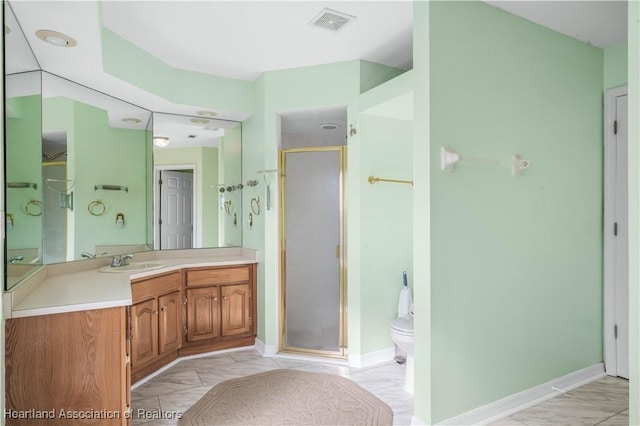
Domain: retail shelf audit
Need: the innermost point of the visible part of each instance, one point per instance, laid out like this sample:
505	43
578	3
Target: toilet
402	336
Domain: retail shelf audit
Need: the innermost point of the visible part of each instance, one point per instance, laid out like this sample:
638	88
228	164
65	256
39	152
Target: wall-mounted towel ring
250	220
255	205
97	208
33	208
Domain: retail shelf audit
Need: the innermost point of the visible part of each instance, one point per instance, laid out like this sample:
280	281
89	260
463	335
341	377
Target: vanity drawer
151	287
224	275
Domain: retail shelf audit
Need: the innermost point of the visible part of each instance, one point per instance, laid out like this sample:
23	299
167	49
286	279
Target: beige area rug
288	397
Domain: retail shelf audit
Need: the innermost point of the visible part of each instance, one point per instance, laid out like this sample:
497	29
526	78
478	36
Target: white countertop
79	286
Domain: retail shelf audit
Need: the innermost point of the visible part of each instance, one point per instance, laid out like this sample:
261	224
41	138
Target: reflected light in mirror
160	141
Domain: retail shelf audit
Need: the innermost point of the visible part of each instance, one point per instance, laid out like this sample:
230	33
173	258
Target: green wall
422	211
24	151
230	173
516	279
385	225
253	160
615	66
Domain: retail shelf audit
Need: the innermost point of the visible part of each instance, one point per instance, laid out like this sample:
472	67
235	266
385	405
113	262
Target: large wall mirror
198	182
83	171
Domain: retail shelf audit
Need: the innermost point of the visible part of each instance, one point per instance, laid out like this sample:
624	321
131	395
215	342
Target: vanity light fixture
160	141
131	120
56	38
199	121
329	126
205	113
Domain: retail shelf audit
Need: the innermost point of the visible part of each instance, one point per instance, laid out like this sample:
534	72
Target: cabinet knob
155	312
164	309
215	299
225	298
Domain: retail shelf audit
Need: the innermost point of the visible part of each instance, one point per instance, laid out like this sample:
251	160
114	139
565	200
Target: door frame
156	202
609	293
342	353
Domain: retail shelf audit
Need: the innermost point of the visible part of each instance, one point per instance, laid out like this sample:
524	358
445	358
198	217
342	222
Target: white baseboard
417	421
184	358
512	404
265	350
372	358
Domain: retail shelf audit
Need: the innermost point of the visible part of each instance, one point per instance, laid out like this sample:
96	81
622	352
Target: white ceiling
242	39
600	23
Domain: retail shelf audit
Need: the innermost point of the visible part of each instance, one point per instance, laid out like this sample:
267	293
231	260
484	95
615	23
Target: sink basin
134	267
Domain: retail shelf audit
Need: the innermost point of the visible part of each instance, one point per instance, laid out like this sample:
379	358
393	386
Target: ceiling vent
330	19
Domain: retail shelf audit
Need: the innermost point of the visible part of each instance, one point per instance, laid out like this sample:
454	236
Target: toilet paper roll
404	302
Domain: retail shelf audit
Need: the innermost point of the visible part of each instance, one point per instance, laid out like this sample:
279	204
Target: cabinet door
144	328
169	322
202	314
236	313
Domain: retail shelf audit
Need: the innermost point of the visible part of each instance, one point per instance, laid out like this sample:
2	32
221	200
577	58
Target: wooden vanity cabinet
220	308
155	323
65	365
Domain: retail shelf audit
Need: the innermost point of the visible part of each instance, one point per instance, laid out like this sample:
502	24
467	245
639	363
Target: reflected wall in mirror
94	154
79	159
23	118
197	169
76	161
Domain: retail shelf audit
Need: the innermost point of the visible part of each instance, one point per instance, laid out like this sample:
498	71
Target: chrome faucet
16	259
117	261
88	255
124	259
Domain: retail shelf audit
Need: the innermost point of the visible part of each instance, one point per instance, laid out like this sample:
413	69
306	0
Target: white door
176	209
621	241
616	238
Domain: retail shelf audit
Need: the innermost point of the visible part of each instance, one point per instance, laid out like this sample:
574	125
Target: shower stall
313	294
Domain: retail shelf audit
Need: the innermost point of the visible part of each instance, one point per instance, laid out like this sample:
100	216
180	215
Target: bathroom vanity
75	341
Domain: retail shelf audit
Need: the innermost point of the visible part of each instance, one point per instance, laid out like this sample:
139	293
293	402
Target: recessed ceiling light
160	141
199	120
131	120
207	113
329	126
56	38
7	30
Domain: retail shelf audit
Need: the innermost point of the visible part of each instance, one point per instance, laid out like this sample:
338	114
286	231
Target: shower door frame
342	353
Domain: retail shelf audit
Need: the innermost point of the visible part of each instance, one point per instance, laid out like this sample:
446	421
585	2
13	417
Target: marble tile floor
604	402
183	384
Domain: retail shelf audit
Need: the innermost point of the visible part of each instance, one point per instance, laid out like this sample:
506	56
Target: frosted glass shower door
312	229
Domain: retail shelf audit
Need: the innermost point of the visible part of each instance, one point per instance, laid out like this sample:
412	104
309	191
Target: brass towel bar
373	179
